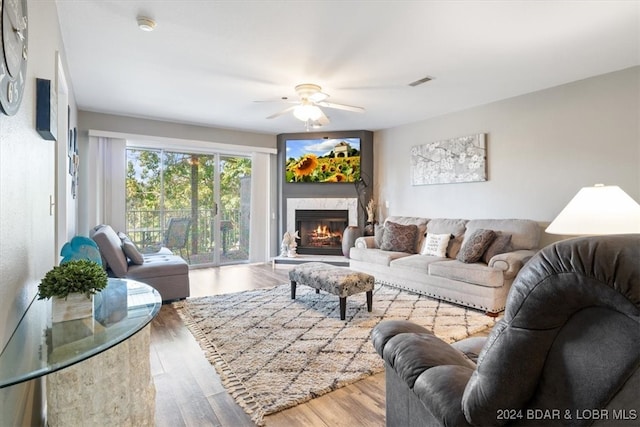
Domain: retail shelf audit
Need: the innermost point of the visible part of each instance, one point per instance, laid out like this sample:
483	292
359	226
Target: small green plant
81	276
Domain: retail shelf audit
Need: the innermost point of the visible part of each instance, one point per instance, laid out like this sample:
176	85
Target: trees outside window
162	184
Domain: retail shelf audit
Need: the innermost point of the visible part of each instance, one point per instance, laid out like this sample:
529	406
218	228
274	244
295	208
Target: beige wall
541	149
27	230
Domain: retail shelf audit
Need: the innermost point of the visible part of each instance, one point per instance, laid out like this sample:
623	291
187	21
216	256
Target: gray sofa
566	352
166	272
480	285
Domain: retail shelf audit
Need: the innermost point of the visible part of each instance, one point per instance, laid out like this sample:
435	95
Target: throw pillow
378	232
500	245
130	249
399	238
436	245
475	245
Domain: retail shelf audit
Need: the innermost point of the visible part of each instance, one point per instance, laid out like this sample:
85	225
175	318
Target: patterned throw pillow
474	246
399	238
436	245
500	245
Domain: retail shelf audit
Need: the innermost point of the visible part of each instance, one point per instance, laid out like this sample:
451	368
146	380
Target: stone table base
113	388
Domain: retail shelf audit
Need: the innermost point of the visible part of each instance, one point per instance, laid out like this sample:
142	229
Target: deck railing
148	228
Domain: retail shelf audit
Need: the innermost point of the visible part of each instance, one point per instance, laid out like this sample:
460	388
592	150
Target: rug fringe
234	386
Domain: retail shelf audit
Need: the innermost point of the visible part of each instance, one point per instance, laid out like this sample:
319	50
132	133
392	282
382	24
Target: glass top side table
39	347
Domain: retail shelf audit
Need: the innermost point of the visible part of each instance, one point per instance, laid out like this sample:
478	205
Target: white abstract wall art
462	159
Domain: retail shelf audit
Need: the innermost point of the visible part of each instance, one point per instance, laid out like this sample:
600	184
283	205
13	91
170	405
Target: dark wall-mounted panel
326	190
46	110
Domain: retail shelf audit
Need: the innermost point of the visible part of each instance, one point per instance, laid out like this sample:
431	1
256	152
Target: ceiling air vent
421	81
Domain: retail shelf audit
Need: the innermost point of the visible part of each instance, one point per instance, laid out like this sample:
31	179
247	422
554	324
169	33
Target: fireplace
321	231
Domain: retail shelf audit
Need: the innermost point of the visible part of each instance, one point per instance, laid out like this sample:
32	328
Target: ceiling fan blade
318	97
283	100
280	113
341	107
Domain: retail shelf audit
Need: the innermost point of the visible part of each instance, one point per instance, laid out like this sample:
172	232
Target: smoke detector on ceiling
146	24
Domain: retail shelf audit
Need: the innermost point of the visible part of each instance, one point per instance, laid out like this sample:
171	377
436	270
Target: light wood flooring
189	391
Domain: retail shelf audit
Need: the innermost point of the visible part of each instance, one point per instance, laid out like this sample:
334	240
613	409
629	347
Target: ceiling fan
307	108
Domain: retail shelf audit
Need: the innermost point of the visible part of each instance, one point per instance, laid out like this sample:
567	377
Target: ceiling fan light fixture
312	125
306	112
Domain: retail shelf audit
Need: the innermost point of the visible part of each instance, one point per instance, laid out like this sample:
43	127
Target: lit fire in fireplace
323	236
320	230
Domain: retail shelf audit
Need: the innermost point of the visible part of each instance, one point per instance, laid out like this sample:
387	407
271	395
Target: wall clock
13	61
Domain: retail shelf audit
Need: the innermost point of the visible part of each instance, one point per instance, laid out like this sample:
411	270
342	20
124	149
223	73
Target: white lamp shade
306	112
598	210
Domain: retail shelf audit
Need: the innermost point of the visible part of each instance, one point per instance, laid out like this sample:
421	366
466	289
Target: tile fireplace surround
349	204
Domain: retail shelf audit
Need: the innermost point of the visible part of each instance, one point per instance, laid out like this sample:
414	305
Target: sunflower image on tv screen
323	160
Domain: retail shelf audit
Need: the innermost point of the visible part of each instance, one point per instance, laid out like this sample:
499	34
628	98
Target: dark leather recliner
566	352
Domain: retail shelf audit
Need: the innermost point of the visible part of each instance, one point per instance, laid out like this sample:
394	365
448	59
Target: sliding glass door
196	204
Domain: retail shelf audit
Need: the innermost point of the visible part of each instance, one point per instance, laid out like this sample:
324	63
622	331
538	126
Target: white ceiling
208	61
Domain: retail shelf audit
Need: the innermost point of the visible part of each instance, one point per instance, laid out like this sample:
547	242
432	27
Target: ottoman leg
317	291
293	289
369	301
343	307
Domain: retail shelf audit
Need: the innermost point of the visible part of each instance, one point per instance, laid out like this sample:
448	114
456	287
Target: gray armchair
166	272
566	352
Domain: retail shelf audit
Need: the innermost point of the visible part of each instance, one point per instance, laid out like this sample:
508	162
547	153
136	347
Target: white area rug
273	352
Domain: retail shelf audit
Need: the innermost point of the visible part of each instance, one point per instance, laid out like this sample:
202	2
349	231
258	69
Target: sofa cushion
476	274
159	266
96	228
375	256
436	245
475	244
399	238
105	264
111	249
500	245
130	249
415	263
525	233
455	227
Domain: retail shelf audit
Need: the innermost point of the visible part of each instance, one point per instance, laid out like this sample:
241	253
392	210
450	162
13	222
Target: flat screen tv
322	160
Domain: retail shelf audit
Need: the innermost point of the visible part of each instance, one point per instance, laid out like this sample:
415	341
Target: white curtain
102	183
263	205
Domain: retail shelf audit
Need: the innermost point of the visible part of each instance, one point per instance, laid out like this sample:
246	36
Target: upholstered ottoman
339	281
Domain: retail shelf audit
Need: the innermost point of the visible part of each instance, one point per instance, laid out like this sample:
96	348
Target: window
211	191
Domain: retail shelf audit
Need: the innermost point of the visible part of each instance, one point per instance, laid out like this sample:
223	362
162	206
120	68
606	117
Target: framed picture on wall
455	160
324	160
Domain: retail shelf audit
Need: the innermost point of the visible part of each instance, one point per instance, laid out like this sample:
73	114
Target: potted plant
71	286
